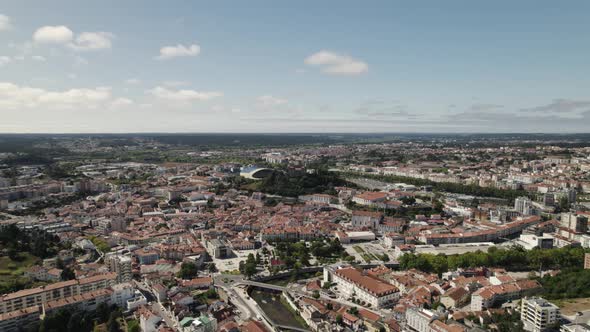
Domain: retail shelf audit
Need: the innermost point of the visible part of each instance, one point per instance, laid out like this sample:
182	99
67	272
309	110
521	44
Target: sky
294	66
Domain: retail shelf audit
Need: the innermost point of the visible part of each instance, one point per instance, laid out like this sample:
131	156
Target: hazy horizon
303	67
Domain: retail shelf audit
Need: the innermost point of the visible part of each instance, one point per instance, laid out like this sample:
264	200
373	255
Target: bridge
262	285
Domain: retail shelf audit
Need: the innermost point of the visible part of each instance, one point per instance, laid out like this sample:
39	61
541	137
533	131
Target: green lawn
11	269
358	249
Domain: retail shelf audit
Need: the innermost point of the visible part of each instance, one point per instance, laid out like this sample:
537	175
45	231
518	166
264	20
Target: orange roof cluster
369	283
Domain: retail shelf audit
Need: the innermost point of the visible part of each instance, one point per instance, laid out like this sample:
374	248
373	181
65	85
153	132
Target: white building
523	205
354	283
419	319
538	314
122	293
121	265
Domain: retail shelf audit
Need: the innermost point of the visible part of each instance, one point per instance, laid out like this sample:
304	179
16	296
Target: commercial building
538	314
218	248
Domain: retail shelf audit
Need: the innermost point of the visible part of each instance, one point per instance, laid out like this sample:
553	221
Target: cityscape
261	166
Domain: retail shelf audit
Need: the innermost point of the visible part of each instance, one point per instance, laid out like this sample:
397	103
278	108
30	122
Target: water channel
276	307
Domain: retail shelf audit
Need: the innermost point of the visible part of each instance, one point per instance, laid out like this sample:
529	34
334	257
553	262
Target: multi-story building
574	222
121	265
366	219
218	249
538	314
370	198
147	256
490	296
419	319
367	288
36	296
18	320
523	205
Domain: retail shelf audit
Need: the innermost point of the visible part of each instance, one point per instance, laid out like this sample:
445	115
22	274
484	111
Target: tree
113	323
133	326
339	319
102	312
249	267
68	274
188	270
316	294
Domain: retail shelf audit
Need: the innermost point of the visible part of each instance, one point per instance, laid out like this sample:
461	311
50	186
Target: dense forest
293	183
568	284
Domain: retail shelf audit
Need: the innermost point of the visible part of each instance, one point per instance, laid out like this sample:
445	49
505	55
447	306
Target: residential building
538	314
121	265
523	205
36	296
419	319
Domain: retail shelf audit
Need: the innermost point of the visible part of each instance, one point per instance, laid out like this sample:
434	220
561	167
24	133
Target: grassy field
569	307
12	269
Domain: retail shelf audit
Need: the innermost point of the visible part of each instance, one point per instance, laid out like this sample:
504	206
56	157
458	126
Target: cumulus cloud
121	102
88	41
5	23
59	34
334	63
169	52
183	95
268	100
13	96
62	35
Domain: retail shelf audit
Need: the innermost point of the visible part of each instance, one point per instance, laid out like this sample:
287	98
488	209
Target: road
156	306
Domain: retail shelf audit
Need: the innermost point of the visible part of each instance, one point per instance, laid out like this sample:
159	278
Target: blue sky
299	66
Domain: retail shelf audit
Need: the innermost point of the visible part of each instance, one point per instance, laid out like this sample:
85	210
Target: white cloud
121	102
13	96
169	52
5	23
133	81
334	63
268	100
88	41
4	60
39	58
53	35
62	35
183	95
